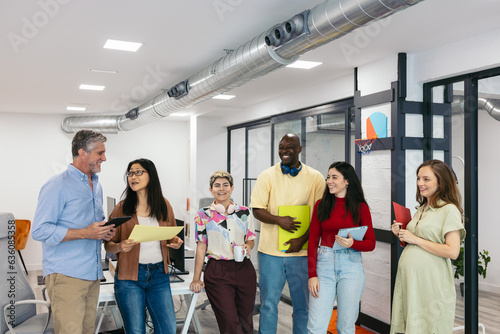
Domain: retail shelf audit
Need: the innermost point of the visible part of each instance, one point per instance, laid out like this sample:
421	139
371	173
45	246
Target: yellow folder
302	215
142	233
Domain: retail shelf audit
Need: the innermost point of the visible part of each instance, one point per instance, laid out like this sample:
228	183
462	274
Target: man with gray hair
69	221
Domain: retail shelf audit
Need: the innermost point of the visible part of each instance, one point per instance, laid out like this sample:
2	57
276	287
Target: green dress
424	292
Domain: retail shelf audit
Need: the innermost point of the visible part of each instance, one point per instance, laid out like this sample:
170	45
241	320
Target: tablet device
357	233
118	221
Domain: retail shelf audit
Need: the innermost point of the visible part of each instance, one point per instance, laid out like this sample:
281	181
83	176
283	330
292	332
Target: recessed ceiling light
95	70
91	87
223	97
181	114
76	108
305	65
122	45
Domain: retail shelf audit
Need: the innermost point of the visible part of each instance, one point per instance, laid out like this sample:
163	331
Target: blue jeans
340	274
151	290
274	272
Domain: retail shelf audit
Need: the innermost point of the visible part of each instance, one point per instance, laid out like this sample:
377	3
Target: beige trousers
74	303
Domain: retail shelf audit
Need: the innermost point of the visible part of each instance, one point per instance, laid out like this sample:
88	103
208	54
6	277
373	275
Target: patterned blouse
221	233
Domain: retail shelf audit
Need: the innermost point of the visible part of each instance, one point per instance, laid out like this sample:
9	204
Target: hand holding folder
301	214
402	215
142	233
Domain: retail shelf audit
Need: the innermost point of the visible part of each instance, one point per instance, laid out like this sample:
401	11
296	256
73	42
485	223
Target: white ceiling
48	46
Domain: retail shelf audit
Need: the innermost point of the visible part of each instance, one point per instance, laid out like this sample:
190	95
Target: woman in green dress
424	293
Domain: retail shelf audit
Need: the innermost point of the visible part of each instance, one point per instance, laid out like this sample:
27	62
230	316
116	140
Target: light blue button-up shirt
67	202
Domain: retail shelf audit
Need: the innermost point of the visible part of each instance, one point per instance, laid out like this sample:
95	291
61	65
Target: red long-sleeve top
328	229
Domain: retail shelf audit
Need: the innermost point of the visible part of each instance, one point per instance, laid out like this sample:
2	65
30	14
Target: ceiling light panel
76	108
95	70
122	45
223	97
181	114
305	65
91	87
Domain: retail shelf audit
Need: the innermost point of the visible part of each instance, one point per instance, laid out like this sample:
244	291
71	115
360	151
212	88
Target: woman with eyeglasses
141	278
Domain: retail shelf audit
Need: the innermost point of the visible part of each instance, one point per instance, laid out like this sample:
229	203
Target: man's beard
94	167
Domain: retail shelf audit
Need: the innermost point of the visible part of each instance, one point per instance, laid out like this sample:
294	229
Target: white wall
489	183
211	155
469	55
321	93
212	152
376	180
34	148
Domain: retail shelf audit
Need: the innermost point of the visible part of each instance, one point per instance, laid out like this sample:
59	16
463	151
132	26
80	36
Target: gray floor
489	310
209	324
205	315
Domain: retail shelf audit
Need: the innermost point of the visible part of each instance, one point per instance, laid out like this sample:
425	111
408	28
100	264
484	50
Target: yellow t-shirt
274	189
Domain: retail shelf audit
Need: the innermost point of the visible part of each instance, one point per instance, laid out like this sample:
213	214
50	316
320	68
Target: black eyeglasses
137	173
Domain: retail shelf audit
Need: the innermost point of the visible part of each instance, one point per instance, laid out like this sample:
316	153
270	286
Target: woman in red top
337	273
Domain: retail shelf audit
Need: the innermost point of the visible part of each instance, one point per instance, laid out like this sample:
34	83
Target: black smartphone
118	221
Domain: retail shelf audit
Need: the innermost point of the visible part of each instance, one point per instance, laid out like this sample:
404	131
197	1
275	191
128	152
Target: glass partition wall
326	133
325	138
470	131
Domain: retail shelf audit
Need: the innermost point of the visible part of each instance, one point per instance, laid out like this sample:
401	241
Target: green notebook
303	216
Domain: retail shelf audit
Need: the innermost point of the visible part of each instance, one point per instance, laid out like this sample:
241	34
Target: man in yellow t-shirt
287	183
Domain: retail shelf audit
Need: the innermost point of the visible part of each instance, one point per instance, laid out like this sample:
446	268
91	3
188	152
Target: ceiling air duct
275	48
491	106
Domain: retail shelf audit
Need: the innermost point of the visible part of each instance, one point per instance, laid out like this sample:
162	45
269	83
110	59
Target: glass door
258	159
451	127
488	185
237	162
258	153
471	130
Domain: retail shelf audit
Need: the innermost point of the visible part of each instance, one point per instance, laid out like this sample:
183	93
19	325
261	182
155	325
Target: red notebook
402	215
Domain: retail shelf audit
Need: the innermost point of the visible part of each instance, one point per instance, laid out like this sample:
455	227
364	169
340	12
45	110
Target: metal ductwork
286	41
491	106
